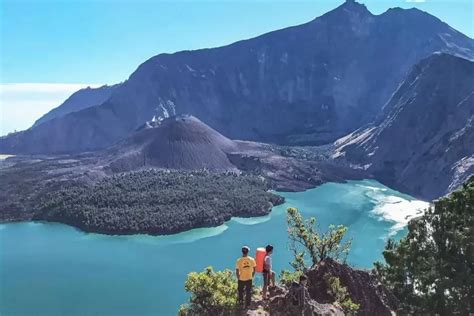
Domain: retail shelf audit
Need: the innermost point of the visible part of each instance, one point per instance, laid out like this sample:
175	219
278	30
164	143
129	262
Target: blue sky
75	43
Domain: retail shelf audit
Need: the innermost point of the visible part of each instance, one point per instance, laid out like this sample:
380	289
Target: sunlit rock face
424	144
308	84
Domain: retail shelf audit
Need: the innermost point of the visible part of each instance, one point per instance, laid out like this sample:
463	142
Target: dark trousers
245	286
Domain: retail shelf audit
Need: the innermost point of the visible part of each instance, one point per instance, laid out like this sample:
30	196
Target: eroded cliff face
307	84
425	144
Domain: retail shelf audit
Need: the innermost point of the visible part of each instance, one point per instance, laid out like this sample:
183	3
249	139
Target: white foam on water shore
196	234
398	210
251	220
372	188
184	237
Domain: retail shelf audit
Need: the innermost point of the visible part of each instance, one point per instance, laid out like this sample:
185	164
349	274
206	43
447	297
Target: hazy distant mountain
425	145
307	84
79	100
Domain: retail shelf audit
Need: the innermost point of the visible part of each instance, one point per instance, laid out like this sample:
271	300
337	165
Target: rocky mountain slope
425	145
79	100
307	84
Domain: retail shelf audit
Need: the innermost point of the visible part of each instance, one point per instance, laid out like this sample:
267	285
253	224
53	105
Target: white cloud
415	1
21	104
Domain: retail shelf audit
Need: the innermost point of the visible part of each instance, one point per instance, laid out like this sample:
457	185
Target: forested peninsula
158	202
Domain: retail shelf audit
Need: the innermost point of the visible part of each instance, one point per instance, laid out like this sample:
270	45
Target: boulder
362	286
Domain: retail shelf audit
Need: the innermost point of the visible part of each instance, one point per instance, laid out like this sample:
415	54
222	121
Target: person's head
245	250
269	249
303	279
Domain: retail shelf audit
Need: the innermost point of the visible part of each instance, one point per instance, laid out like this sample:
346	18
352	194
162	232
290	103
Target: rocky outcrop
280	303
424	145
362	286
307	84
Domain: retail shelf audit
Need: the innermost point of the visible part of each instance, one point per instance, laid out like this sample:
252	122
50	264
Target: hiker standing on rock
268	273
245	270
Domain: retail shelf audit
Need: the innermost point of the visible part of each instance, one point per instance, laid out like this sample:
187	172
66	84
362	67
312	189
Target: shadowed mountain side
307	84
425	145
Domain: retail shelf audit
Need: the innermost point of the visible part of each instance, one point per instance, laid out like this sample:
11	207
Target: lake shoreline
46	262
85	229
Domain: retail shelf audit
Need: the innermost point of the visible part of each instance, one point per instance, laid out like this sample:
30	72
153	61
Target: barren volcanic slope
425	146
307	84
181	142
184	142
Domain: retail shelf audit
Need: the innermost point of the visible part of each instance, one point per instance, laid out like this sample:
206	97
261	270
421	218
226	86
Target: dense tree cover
25	180
431	270
212	293
158	202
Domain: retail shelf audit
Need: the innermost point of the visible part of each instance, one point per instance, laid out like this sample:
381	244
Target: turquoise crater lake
54	269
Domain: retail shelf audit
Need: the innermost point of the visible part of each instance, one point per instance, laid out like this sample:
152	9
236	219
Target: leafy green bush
306	240
431	270
337	290
287	277
212	293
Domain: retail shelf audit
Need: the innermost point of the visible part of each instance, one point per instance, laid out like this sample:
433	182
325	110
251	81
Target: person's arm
237	273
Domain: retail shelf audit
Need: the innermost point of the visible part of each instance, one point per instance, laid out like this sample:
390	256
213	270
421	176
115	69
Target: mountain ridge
290	86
